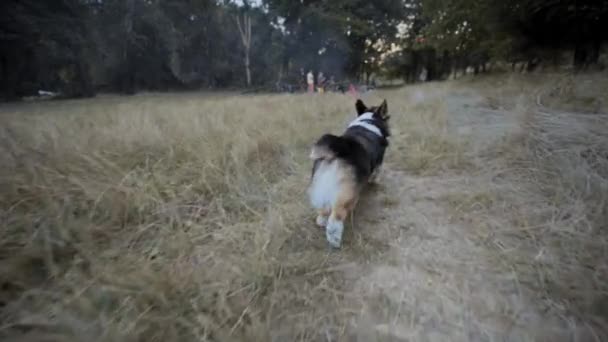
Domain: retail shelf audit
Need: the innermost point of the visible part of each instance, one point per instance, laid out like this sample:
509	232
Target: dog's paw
334	232
321	221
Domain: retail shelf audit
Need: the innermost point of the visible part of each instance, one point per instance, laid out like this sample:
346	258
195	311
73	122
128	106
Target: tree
580	25
245	32
44	45
517	30
79	46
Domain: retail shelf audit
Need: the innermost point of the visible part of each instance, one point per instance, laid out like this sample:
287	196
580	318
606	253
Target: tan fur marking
348	196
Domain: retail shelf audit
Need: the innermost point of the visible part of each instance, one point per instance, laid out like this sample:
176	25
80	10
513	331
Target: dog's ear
382	111
361	107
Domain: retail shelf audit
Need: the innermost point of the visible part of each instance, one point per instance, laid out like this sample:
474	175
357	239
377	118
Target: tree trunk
430	64
280	74
83	84
7	85
245	31
555	58
247	68
596	46
446	67
127	77
580	56
533	64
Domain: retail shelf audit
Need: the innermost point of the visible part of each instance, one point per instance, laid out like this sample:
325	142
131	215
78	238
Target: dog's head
380	114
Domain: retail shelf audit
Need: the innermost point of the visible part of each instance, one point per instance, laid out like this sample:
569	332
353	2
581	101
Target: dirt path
443	279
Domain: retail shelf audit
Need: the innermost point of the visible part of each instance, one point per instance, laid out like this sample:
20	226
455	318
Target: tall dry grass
423	142
540	199
165	217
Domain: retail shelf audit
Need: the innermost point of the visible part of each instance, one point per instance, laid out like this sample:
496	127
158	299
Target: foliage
345	33
77	47
517	29
52	36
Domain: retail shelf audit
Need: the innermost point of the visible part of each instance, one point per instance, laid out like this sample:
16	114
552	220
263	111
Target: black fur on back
350	150
359	147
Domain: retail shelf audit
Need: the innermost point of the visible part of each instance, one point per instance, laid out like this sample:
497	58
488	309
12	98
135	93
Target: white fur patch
333	232
359	122
325	185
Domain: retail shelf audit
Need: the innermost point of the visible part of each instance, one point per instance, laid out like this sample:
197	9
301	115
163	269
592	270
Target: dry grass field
184	217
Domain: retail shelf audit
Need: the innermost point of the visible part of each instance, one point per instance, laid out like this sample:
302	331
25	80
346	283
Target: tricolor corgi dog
344	164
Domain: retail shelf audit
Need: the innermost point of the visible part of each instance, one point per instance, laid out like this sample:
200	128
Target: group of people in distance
307	82
321	82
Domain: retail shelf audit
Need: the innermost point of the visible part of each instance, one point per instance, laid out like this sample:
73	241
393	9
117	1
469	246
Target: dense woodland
81	47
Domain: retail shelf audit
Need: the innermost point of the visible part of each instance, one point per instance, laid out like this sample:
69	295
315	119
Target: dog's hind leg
335	225
373	178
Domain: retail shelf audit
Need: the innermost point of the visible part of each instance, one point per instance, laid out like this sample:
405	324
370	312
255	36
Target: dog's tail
329	147
325	178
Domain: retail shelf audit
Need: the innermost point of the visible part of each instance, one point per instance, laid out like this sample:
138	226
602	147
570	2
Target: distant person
310	80
331	84
321	83
423	75
352	90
